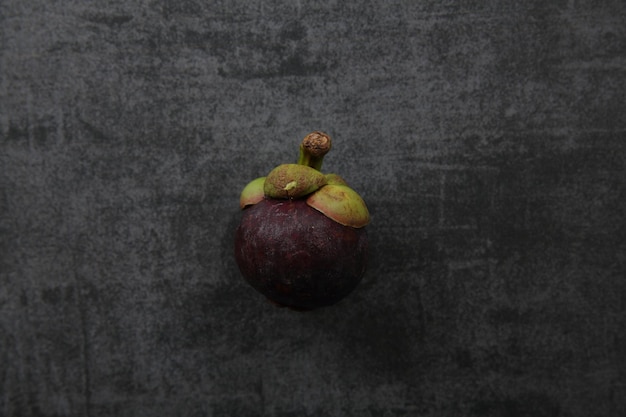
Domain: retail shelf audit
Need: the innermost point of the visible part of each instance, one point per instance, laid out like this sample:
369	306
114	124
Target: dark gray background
487	138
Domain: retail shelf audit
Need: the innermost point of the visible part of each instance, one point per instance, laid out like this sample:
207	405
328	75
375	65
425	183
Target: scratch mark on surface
442	197
80	304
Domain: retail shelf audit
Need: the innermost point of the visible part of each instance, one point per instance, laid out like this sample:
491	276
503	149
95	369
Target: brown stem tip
317	144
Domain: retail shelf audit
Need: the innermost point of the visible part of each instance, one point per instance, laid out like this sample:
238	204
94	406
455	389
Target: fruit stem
313	148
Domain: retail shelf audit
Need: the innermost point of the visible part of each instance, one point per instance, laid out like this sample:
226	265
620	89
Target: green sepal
252	193
341	204
335	179
292	181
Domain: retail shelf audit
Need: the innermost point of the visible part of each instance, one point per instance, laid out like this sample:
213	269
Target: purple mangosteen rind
296	256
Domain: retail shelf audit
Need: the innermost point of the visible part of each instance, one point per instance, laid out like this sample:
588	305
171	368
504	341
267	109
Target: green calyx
327	193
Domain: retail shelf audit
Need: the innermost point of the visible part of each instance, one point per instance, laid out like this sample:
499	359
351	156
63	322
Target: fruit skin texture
296	256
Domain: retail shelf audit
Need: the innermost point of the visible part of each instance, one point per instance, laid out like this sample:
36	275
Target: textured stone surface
487	138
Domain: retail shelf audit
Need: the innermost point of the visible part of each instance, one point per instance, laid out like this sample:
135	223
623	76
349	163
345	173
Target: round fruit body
298	257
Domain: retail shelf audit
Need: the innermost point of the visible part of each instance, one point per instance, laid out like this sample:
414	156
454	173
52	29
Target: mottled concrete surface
487	137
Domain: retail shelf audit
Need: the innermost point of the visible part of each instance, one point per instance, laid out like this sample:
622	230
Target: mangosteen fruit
301	240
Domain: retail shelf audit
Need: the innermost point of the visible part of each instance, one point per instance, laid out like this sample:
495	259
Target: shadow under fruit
301	240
